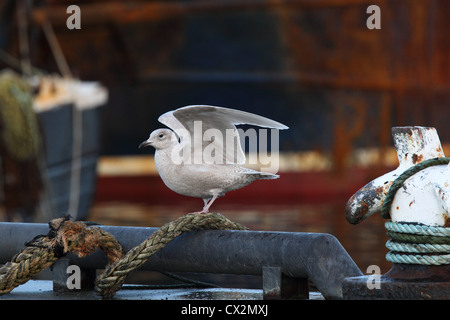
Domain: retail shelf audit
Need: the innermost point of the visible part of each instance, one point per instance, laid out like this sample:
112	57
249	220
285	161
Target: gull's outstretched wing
212	129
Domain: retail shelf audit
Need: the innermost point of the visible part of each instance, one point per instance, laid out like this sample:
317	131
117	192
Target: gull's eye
161	135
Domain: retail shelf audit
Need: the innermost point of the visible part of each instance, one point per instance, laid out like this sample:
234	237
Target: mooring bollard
416	198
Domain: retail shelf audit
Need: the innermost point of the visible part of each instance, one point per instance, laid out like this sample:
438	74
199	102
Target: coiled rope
412	243
68	236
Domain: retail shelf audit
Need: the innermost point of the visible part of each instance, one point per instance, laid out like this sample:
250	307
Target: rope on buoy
74	236
417	244
418	229
417	247
398	182
430	260
41	252
112	279
413	243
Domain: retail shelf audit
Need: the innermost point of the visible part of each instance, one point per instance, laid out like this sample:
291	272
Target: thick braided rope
418	244
435	260
416	238
417	247
111	280
41	252
23	266
415	233
397	184
417	229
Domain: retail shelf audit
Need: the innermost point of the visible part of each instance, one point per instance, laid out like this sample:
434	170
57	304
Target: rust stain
368	194
446	220
417	158
360	212
378	191
351	117
385	188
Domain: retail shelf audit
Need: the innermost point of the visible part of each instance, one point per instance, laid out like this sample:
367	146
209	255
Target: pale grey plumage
199	179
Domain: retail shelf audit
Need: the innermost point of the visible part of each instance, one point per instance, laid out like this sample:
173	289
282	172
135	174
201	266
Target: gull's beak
144	144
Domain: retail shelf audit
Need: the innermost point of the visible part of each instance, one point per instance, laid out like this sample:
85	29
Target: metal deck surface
43	290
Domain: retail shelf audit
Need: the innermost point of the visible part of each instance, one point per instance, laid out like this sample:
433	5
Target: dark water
365	242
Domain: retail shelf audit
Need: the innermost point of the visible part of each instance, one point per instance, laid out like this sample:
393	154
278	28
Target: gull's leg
205	201
208	205
208	202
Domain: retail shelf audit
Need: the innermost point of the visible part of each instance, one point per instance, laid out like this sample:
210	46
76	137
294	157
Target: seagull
201	155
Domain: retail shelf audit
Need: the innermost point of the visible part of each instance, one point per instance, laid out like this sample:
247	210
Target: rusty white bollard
416	198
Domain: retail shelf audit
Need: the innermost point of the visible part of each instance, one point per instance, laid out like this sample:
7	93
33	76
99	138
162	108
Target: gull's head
160	139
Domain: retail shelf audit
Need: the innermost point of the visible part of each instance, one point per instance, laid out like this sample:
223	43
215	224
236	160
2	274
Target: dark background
312	65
